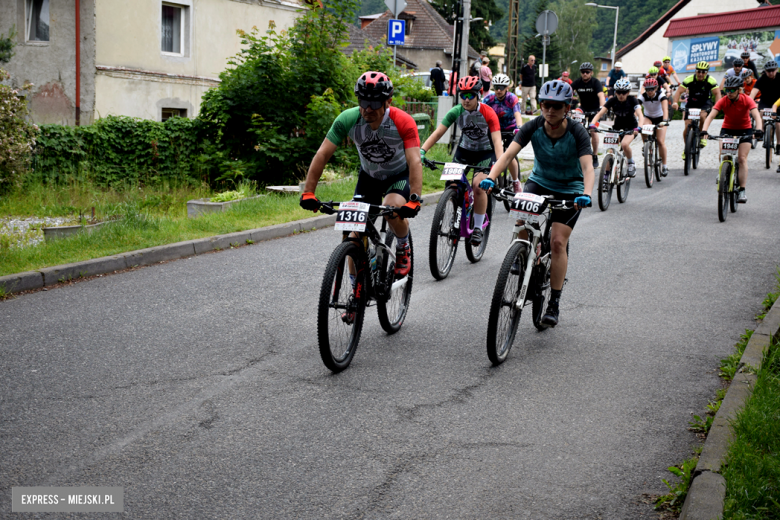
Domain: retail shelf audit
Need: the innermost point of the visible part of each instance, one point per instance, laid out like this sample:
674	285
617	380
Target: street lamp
614	39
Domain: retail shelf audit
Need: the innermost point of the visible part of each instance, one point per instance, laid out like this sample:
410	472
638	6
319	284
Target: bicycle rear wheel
341	308
443	244
696	149
769	144
734	190
604	186
393	307
723	191
504	316
475	254
622	189
658	162
649	164
541	283
687	164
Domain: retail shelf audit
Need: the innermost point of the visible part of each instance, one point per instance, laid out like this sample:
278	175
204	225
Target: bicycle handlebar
432	165
508	194
327	207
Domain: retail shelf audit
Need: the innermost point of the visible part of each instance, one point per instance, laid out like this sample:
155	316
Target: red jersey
736	114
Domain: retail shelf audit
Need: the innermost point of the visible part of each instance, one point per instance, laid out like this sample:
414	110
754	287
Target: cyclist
737	110
768	88
614	75
656	109
748	82
565	77
562	169
667	65
749	64
507	108
736	70
388	146
591	96
628	113
699	86
479	145
663	82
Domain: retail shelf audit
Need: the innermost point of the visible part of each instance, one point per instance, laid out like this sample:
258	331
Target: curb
708	490
47	276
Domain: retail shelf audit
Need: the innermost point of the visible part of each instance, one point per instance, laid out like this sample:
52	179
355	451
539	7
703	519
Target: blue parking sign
395	32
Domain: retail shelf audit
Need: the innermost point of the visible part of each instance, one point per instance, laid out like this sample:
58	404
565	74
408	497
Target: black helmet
586	66
733	82
745	55
739	63
770	65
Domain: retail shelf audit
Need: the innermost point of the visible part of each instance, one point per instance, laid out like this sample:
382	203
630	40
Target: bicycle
452	219
524	276
653	161
768	115
610	177
504	179
692	142
728	176
370	257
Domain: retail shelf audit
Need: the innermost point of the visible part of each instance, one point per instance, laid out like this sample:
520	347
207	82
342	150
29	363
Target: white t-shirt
652	107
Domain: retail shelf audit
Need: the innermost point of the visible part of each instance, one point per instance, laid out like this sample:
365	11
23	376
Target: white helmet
618	64
502	80
622	85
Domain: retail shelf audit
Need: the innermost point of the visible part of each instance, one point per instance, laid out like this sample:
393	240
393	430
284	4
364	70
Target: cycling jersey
381	152
588	93
476	126
505	109
748	87
699	91
769	88
624	112
668	69
556	161
731	73
736	114
652	107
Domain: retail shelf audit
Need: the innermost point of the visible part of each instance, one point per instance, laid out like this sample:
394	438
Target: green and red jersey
475	126
382	152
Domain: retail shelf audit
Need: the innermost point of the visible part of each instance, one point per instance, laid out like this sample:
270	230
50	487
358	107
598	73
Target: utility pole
464	42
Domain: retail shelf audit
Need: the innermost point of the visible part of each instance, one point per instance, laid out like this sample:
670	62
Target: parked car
733	54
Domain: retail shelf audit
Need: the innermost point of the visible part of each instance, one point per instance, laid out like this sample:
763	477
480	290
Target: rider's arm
588	177
757	118
754	93
601	98
415	169
602	111
712	115
498	143
677	79
318	163
716	90
678	93
665	108
449	118
434	138
638	112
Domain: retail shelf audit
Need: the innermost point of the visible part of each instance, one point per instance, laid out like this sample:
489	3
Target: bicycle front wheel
622	189
341	308
392	308
658	162
504	314
604	186
475	254
649	164
688	163
723	191
443	244
733	195
696	149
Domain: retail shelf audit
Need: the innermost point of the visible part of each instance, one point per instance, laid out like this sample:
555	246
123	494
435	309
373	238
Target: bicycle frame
617	164
465	198
727	156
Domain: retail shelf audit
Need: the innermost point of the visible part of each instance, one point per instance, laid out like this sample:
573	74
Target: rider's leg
399	225
685	130
661	142
626	146
514	170
480	196
594	142
744	148
559	237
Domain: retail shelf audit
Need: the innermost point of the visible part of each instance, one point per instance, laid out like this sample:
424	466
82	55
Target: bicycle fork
520	302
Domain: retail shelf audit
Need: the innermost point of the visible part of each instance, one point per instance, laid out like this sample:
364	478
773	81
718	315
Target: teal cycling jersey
556	161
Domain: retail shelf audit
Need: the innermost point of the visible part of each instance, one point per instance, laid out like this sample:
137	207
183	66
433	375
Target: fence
430	108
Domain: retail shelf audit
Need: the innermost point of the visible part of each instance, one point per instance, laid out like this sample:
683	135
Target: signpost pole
395	47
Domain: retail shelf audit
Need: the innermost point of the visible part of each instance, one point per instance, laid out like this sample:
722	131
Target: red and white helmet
374	86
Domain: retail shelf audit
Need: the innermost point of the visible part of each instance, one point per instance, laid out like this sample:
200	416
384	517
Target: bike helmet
469	84
739	63
556	90
653	70
745	55
586	66
733	82
619	65
651	83
374	86
658	64
770	65
703	65
565	74
501	80
667	58
622	85
746	73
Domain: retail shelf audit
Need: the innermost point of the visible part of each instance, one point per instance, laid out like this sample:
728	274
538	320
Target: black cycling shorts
484	158
745	135
374	190
655	120
705	107
567	217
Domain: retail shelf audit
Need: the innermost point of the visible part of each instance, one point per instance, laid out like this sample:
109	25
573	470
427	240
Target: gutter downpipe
78	62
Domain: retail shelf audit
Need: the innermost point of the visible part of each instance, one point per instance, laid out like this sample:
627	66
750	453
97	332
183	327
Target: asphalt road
197	386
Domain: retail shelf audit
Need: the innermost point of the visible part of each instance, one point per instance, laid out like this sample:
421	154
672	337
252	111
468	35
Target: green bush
17	136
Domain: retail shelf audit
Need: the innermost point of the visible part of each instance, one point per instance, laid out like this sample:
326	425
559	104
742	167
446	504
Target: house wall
133	75
655	47
51	66
426	58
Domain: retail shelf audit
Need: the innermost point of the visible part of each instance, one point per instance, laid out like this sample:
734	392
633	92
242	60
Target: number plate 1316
352	216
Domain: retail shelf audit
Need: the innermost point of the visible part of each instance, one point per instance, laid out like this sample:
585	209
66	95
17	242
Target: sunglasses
499	87
552	106
621	92
467	96
586	72
650	90
701	72
730	90
373	105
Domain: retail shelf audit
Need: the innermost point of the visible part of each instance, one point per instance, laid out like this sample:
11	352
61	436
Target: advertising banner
721	51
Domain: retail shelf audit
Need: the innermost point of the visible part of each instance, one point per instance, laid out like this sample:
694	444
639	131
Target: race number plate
453	171
528	207
768	113
647	129
611	138
694	112
352	216
578	117
729	144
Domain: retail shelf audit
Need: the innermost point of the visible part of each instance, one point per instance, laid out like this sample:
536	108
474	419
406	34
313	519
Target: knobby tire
688	152
393	308
475	254
649	164
622	189
443	248
604	186
504	316
723	191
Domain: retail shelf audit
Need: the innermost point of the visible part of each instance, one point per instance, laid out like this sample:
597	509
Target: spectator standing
437	78
476	67
528	84
486	75
614	75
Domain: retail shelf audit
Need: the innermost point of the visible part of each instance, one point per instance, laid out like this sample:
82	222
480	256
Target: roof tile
745	20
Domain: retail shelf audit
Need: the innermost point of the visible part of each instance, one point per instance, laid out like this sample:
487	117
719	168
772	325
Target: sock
555	296
400	242
630	161
478	220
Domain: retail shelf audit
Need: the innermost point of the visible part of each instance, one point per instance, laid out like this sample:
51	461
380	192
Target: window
37	20
168	113
603	66
173	29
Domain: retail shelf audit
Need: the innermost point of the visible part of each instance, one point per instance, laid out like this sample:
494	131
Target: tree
533	45
7	44
479	32
575	28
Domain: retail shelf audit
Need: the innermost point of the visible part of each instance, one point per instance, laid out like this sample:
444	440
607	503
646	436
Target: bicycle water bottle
372	260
